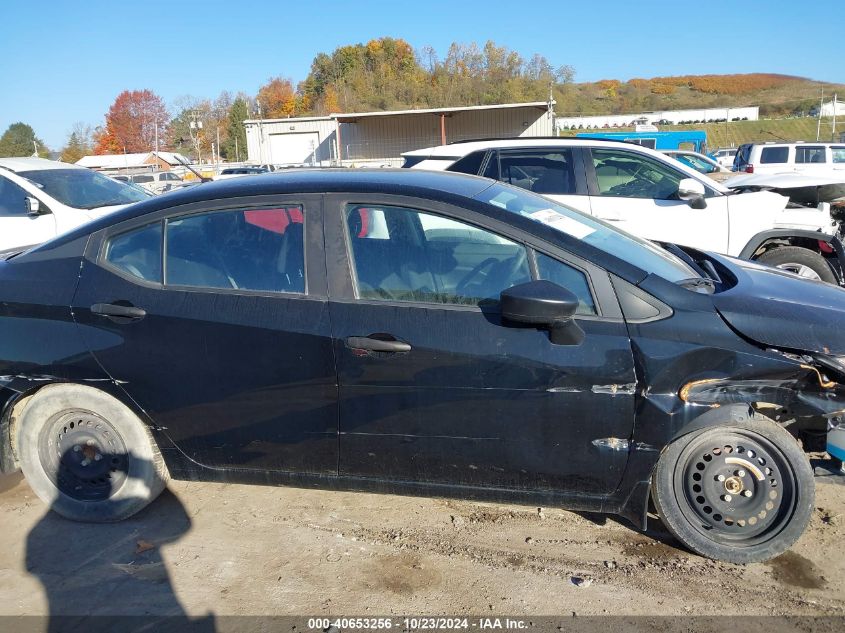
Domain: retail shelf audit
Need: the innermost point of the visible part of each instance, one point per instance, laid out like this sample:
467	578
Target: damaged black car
416	333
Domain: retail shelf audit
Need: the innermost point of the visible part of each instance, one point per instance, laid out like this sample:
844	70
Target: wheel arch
23	392
636	505
765	240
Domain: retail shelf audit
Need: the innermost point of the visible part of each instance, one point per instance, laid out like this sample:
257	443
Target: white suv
648	194
41	198
817	159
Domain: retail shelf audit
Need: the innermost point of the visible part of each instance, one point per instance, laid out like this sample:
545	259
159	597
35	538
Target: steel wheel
83	455
741	489
741	492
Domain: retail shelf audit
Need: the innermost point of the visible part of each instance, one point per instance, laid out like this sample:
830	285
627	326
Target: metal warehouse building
379	138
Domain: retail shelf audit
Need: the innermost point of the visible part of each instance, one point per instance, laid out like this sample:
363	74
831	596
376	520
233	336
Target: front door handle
120	311
377	344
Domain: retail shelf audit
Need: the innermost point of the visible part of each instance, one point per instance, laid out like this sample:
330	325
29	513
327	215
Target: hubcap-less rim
83	455
740	490
801	270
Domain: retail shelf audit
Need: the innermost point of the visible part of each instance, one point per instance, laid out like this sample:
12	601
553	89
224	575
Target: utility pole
196	124
833	126
218	149
156	124
819	124
237	151
35	145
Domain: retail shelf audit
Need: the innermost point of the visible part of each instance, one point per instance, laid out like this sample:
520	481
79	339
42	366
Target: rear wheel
801	261
87	455
740	493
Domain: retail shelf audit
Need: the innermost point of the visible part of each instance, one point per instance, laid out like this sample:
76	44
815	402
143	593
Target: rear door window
540	171
838	154
774	155
806	154
469	164
250	249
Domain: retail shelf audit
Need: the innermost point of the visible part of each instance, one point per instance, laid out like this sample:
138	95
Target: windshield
83	189
637	251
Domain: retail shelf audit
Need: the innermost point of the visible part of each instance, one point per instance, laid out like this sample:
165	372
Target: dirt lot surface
230	549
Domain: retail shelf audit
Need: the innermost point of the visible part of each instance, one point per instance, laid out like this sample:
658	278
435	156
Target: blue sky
65	61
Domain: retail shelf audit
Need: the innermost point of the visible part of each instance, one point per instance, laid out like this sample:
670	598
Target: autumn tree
19	140
79	143
277	99
74	150
133	122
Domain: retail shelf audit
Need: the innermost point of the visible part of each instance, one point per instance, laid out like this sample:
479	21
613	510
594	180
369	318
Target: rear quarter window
774	155
469	164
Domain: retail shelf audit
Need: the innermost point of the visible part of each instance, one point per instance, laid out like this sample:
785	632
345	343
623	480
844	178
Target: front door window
402	254
627	175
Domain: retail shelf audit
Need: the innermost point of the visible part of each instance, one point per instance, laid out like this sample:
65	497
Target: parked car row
155	182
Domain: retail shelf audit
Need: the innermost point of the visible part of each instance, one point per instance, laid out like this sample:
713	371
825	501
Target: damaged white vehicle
645	193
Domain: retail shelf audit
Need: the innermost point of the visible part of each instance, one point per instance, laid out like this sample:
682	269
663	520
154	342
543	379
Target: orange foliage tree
277	98
131	123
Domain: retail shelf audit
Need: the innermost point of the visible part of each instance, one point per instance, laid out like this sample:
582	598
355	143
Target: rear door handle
116	310
377	344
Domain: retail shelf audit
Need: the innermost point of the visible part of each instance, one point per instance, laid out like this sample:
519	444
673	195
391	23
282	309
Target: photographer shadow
112	576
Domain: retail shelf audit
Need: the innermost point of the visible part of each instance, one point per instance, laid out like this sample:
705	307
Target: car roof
442	186
27	163
458	150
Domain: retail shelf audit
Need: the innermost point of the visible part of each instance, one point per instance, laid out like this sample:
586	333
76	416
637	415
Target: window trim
344	288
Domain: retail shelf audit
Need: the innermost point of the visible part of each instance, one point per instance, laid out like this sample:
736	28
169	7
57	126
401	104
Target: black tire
740	518
87	455
792	258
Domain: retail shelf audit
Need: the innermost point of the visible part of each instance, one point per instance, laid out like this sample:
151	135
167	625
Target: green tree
19	140
74	150
234	147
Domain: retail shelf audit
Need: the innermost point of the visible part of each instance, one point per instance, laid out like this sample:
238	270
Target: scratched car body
410	332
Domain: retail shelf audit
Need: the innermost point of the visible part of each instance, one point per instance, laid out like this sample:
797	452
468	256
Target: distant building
379	138
830	108
665	117
147	161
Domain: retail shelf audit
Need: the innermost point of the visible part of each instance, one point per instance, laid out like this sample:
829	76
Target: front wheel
740	493
801	261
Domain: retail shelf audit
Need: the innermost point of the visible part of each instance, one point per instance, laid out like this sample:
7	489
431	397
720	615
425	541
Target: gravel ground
228	549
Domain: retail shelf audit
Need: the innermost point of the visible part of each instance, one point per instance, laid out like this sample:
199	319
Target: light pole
196	124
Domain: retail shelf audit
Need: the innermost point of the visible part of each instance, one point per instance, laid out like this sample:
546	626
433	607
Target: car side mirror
692	191
544	304
33	206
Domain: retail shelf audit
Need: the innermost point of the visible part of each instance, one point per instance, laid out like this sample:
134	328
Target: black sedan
420	333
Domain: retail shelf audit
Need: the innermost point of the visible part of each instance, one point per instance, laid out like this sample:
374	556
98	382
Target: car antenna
196	173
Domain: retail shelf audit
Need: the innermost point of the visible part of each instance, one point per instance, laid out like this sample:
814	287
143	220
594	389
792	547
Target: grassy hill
737	132
776	95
